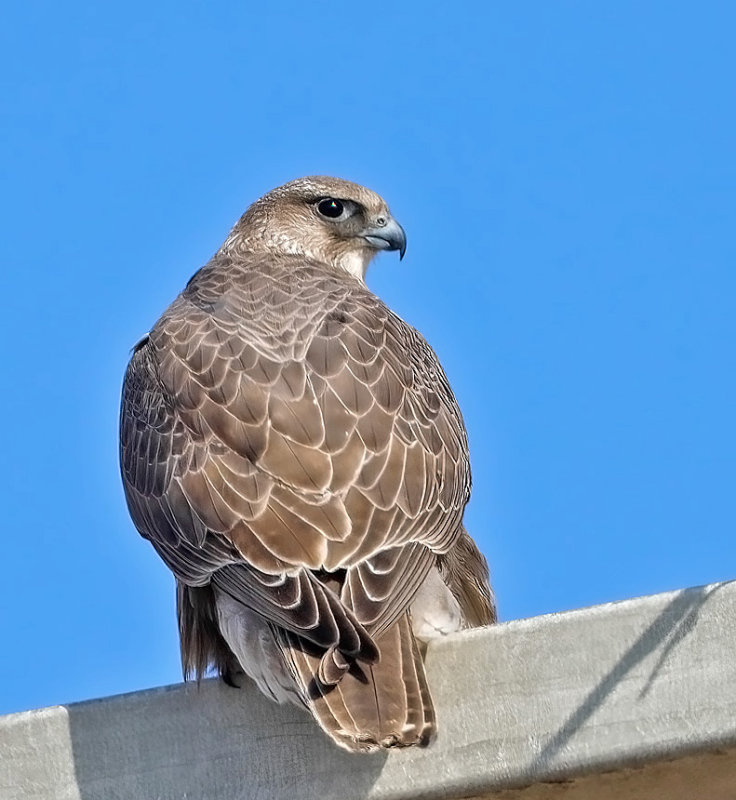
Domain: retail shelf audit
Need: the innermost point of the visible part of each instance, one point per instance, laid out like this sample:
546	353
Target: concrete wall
628	700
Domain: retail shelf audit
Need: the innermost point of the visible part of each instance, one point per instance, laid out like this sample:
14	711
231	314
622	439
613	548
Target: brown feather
339	421
298	419
289	441
465	571
299	466
383	705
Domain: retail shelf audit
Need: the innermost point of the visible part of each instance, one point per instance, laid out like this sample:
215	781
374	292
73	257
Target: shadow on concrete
189	742
676	621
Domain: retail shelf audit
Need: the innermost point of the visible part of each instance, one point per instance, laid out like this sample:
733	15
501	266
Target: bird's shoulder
285	309
260	418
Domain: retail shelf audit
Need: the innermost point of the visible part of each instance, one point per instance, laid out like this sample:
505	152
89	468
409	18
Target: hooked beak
387	236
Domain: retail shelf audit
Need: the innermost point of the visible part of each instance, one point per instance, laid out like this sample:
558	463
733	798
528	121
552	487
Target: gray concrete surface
628	700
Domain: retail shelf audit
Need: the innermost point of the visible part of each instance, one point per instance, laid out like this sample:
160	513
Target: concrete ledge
634	699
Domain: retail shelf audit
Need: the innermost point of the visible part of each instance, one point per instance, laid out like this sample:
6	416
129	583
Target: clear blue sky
566	173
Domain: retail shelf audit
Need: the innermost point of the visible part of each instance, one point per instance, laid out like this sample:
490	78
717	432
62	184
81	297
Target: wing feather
280	419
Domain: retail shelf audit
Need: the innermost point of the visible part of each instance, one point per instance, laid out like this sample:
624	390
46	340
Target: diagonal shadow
670	628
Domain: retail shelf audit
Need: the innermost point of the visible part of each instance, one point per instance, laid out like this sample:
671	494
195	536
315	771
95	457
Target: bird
293	451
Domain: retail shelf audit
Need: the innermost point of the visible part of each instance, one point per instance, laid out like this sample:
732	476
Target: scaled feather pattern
294	453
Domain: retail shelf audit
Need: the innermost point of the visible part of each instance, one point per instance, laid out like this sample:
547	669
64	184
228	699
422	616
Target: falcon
294	453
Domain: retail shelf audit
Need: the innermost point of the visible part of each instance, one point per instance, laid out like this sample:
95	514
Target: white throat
356	262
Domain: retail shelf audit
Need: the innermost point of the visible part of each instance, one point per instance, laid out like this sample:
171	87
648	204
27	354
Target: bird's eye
331	208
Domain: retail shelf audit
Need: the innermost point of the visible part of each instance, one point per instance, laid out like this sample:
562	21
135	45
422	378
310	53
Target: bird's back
294	452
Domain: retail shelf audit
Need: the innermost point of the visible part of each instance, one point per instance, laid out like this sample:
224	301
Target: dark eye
329	207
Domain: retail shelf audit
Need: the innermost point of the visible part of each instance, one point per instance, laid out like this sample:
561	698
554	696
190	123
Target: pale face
324	219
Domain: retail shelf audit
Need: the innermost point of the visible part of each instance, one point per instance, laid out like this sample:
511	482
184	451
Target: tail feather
201	642
386	704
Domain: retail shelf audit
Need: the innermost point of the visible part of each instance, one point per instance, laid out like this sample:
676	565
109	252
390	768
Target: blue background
566	175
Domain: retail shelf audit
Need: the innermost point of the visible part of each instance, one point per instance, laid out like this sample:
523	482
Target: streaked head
328	220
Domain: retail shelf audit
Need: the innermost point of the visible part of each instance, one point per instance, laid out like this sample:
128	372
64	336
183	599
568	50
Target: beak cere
389	236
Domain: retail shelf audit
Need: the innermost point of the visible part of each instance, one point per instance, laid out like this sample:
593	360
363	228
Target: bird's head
328	220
